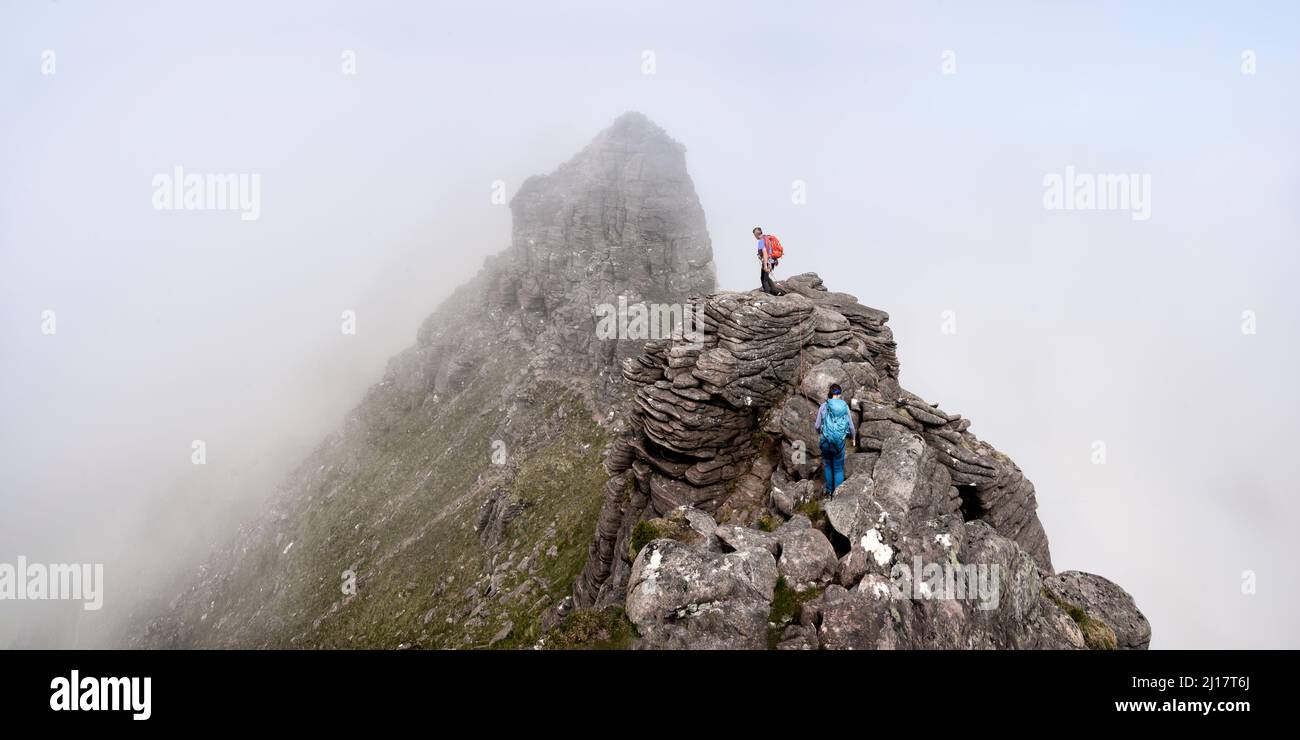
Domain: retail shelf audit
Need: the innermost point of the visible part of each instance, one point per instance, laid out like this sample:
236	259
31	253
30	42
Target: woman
834	423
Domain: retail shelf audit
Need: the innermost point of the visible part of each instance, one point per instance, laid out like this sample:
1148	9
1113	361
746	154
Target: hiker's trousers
833	463
766	278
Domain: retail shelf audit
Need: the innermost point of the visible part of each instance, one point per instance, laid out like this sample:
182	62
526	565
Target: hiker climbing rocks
769	253
834	423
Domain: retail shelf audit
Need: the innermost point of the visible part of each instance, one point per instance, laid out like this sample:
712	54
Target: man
834	424
767	262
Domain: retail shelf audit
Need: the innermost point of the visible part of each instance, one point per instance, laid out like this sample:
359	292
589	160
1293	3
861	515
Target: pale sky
920	134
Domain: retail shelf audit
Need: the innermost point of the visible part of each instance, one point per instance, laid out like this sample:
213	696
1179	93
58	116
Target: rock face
684	597
620	220
932	542
1102	601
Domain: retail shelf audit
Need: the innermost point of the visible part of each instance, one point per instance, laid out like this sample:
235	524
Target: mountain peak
621	219
636	126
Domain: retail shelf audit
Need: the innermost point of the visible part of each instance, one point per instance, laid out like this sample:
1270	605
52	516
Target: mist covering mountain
516	480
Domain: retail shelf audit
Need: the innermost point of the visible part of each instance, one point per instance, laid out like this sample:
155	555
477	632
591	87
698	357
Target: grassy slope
398	508
420	597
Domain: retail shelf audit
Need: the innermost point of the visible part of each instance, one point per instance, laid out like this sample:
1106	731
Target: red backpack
773	246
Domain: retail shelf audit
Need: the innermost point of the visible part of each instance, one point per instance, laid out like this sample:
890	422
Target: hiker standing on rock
769	253
834	423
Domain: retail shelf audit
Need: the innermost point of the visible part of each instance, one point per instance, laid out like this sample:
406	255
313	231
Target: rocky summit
517	479
714	505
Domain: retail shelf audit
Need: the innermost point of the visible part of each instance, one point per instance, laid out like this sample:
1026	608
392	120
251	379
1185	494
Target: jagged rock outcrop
620	220
933	540
618	224
494	514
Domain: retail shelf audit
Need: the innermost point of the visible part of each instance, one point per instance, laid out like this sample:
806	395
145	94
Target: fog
1140	372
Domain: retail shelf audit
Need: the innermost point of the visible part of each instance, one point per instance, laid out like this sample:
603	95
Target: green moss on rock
648	531
1097	635
590	629
787	605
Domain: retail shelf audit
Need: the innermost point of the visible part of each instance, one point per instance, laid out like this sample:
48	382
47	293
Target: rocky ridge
461	495
715	503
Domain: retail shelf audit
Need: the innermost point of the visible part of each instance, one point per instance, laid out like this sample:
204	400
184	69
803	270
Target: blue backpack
837	423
